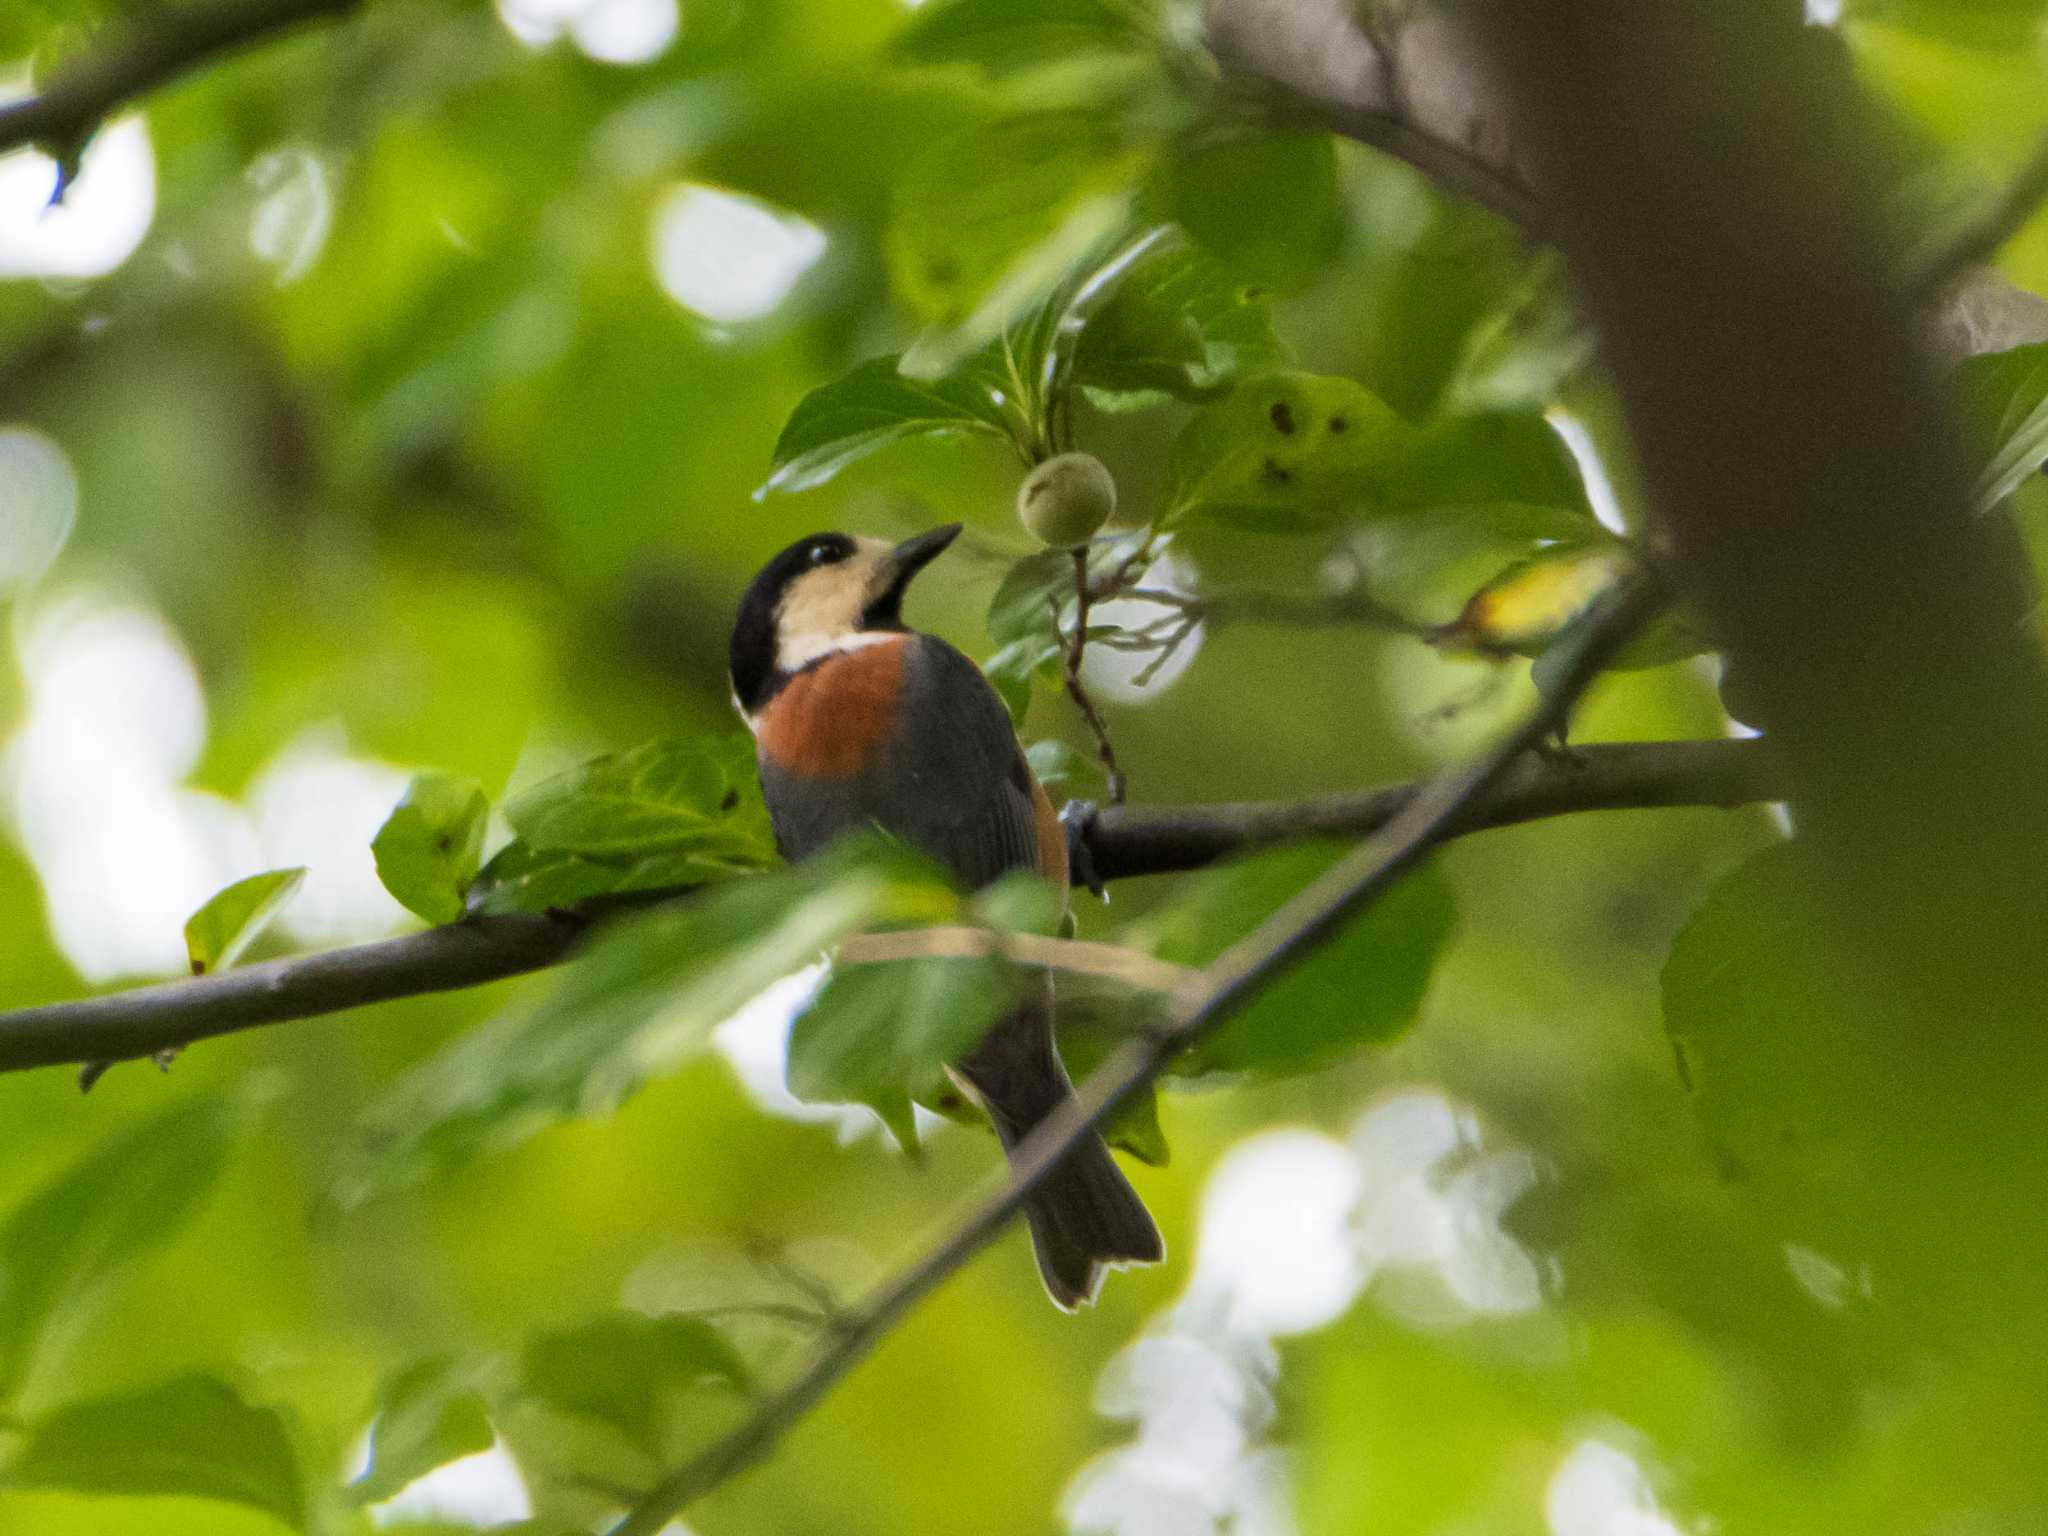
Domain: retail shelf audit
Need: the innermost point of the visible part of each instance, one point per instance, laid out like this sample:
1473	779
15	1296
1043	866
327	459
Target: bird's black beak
904	562
913	555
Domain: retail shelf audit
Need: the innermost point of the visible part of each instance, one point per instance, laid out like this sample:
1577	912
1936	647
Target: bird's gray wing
948	779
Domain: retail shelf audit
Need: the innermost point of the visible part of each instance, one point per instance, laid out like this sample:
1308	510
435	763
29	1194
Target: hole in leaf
1340	424
1283	418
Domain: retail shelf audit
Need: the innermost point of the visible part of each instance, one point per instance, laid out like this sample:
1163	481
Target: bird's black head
816	597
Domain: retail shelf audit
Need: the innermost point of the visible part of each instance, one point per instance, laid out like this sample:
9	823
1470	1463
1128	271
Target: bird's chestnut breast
829	720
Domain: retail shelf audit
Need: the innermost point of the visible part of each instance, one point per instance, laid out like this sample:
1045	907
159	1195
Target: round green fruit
1066	499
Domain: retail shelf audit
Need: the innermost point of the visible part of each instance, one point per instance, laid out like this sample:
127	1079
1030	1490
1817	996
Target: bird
860	721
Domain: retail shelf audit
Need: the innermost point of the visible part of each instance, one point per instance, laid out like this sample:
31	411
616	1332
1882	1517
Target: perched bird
858	721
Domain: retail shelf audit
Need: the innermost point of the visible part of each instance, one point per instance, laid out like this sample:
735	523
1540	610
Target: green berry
1066	499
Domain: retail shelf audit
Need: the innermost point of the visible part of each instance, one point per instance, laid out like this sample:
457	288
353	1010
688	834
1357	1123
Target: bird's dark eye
820	553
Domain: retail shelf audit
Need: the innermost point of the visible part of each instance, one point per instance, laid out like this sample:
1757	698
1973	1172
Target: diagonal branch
1211	998
1123	841
149	53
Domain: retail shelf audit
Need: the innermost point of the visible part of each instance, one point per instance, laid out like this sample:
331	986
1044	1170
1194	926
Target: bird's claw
1078	819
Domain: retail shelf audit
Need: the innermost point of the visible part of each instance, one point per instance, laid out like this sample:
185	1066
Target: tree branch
1410	95
1433	812
1123	841
146	54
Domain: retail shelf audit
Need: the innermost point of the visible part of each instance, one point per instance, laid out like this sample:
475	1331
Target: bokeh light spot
1599	1490
294	211
115	720
478	1491
729	258
104	215
609	31
315	804
38	505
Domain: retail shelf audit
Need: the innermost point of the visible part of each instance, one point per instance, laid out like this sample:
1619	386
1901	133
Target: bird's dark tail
1085	1217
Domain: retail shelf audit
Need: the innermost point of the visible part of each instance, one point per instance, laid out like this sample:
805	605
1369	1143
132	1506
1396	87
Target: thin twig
1076	957
1208	1000
144	55
1076	652
1122	842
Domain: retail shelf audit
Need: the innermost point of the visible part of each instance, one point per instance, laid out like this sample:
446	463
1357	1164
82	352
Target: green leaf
1285	453
882	1034
1523	354
876	405
628	1370
1004	36
1521	611
218	934
427	1415
1428	563
1175	323
666	796
1134	1128
1267	203
522	878
1027	601
1361	986
1013	669
988	223
429	847
1512	458
2003	397
1765	1019
642	1000
1062	768
66	1246
193	1436
1440	275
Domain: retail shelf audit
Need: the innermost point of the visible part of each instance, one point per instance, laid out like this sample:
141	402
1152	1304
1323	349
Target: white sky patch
1599	489
1599	1490
103	217
38	505
294	211
726	257
115	721
315	804
479	1491
609	31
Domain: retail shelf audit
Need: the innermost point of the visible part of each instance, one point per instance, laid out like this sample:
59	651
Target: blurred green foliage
401	419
